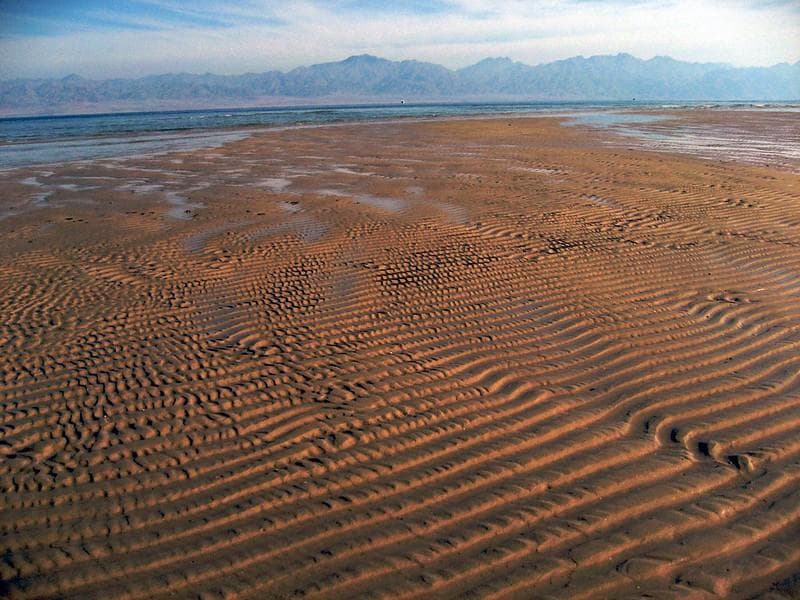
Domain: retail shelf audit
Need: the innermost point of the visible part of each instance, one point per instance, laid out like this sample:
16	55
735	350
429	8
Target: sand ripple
570	371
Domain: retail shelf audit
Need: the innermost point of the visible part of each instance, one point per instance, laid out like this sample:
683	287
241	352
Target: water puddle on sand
140	186
236	172
74	187
43	197
348	171
541	170
274	184
613	119
181	206
33	180
381	202
291	207
390	204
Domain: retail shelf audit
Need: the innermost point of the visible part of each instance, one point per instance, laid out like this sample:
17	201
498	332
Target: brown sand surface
456	359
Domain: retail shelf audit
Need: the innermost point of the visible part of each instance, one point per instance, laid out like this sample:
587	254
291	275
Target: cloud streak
157	36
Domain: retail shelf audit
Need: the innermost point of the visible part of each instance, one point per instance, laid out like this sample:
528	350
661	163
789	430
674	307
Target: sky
116	38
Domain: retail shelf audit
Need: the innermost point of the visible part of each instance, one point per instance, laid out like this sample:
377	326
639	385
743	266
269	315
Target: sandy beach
499	358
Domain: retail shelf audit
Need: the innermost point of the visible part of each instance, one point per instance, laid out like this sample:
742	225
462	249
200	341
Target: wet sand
475	358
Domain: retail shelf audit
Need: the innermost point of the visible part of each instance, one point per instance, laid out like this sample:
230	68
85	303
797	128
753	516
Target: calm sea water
41	140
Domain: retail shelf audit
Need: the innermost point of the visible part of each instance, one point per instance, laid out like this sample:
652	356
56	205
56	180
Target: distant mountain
369	78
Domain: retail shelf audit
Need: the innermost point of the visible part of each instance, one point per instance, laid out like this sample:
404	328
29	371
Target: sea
38	140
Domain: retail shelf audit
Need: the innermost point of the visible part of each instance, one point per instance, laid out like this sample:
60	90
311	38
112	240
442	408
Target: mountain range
371	79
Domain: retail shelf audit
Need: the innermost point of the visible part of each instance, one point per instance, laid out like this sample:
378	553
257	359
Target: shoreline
669	131
93	143
657	104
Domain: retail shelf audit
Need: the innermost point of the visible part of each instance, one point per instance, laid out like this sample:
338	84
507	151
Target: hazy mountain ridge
609	77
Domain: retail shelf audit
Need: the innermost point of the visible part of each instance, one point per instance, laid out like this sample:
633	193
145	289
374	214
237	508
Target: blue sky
116	38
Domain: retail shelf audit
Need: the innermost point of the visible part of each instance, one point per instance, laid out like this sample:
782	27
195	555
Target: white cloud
304	32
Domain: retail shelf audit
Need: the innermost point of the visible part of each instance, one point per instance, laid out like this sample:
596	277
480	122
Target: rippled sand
500	359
